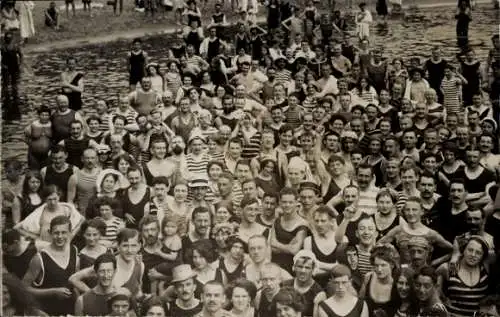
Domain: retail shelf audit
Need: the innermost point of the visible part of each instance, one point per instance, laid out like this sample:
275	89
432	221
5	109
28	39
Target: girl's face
406	106
487	127
397	64
187	81
385	204
220	92
119	125
120	308
240	299
193	95
93	126
237	251
123	166
269	168
221	238
385	127
356	114
156	311
444	134
34	184
44	117
214	171
173	68
222	215
180	193
449	156
52	200
170	229
338	125
199	261
108	184
364	83
92	236
106	212
473	253
375	147
403	287
382	268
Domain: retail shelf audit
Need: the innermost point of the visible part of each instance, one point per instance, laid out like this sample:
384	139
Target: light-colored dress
363	25
26	19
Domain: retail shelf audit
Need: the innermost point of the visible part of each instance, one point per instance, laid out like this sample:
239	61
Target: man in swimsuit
18	252
94	302
185	304
54	264
303	267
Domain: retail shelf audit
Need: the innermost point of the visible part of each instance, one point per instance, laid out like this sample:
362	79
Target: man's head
60	231
457	191
427	185
304	264
105	269
364	176
420	251
128	244
257	248
366	230
475	219
425	282
341	280
270	276
150	229
11	241
58	156
202	220
213	296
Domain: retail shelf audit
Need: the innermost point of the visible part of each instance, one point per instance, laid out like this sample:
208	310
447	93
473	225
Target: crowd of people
309	174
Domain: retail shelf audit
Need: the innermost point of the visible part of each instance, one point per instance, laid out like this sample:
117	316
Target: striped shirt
451	92
197	166
364	264
367	201
463	299
251	149
130	114
113	226
283	76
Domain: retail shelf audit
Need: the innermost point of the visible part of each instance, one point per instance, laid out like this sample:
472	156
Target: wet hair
126	157
49	190
104	258
204	248
43	109
288	191
386	192
482	243
147	220
28	176
160	180
427	271
106	201
248	286
288	296
200	210
96	223
340	270
126	234
150	303
59	221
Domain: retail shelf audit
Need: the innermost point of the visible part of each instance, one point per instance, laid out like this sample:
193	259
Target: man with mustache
94	302
185	304
303	267
429	197
213	300
475	221
452	211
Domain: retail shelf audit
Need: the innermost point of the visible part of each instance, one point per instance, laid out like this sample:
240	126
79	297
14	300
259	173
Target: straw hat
182	272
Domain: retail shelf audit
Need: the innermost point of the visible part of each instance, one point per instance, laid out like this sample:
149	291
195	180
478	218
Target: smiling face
60	235
473	253
105	274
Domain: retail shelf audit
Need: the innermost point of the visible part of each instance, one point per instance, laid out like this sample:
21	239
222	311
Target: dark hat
309	185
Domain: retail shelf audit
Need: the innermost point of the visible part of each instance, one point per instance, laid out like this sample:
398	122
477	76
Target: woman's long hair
29	175
21	299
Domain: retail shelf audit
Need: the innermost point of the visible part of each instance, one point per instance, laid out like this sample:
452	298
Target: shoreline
161	30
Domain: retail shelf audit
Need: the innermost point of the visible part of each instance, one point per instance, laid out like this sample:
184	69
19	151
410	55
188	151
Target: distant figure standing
72	84
52	16
382	10
12	59
68	3
463	18
363	21
137	61
26	20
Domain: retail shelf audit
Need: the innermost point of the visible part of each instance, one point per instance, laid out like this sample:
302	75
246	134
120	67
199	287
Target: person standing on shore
12	59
